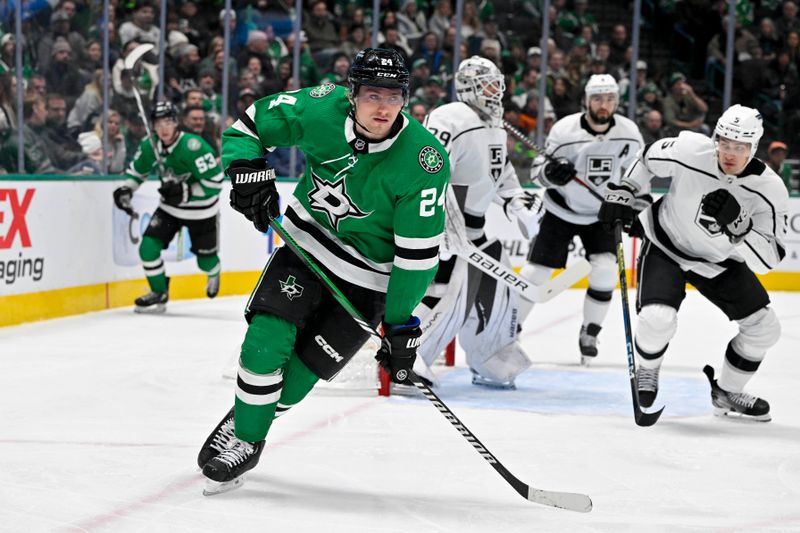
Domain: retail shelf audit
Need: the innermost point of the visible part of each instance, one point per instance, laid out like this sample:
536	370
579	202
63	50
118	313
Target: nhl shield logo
430	160
291	289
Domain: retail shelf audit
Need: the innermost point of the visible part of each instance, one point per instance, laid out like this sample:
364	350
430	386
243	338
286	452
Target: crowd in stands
63	75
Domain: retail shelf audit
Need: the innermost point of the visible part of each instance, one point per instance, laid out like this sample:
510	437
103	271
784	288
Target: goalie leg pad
502	366
657	325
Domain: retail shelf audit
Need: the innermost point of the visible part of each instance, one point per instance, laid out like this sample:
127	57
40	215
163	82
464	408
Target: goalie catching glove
726	211
399	349
254	193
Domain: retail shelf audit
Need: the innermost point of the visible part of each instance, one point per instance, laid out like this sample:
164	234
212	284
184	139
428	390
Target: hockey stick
527	141
641	418
456	242
563	500
129	64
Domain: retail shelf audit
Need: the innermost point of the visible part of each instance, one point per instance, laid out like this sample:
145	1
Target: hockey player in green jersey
191	181
369	210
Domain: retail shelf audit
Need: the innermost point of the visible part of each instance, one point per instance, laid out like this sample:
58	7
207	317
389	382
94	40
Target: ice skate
647	384
225	472
482	381
152	303
218	441
736	404
587	341
212	286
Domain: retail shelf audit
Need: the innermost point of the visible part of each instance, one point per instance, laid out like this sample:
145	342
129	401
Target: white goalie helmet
742	124
480	84
601	84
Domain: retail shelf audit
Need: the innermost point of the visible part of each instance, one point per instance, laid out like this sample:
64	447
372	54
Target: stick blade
570	501
647	419
573	273
136	54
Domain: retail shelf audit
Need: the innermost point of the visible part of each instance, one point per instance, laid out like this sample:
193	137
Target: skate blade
586	360
218	487
730	414
151	309
396	389
508	385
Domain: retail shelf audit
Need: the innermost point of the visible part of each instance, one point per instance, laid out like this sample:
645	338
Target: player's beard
598	120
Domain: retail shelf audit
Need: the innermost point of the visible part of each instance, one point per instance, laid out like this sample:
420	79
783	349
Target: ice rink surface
103	415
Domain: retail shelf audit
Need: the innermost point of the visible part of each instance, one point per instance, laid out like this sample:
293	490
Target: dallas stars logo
332	199
291	289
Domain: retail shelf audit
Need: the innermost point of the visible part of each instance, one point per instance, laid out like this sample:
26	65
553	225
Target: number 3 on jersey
428	203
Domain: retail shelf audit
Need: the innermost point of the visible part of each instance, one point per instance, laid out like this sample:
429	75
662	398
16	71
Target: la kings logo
706	222
598	169
333	200
496	161
291	289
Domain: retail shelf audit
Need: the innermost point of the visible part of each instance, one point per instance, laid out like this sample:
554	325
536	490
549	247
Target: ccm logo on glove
255	177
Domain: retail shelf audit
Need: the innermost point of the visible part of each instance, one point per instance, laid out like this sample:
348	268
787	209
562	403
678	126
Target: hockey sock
266	349
150	253
298	381
595	306
209	264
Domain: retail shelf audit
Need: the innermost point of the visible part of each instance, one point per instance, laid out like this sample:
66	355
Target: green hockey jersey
190	158
371	212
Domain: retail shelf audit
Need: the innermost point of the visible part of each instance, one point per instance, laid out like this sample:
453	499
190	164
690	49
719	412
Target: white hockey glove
527	208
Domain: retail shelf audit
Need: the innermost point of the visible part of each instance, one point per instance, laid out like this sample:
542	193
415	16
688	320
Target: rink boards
65	249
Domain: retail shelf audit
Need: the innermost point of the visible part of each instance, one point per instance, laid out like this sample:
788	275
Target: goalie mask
480	84
741	124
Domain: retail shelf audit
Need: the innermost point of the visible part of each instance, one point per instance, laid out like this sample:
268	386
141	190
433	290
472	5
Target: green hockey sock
267	347
150	253
209	264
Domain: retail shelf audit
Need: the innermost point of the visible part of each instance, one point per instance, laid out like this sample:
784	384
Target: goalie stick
640	417
129	64
564	500
456	242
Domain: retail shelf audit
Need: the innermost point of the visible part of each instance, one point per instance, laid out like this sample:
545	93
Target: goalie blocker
325	342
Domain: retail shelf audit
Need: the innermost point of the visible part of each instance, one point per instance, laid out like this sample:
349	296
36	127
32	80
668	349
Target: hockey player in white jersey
723	218
463	301
595	146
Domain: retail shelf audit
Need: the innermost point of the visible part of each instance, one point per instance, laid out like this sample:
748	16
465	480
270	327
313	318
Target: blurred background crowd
679	73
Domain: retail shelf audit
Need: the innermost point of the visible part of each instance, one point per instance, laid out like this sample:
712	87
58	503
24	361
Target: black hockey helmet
378	67
162	110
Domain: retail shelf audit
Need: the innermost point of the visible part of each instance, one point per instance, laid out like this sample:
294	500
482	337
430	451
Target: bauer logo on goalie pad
598	169
328	349
256	177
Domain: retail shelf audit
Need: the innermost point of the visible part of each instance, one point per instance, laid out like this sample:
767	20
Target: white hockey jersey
598	159
478	176
676	224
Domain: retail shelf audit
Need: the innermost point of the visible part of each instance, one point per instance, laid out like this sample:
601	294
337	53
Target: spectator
133	133
92	162
394	42
356	40
87	107
793	46
491	50
776	159
323	37
37	84
780	76
140	28
63	150
59	31
63	76
91	59
768	39
7	53
683	109
309	75
491	31
257	47
440	19
184	73
529	82
618	46
745	45
428	49
193	120
8	117
649	99
118	152
641	80
565	100
418	112
433	94
337	74
788	21
652	127
411	21
37	160
573	21
471	22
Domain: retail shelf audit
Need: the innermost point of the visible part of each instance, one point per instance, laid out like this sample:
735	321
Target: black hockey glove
122	199
726	211
254	193
399	349
174	192
617	206
559	172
